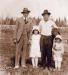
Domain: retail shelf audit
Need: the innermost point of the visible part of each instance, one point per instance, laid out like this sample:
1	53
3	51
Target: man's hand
14	41
29	41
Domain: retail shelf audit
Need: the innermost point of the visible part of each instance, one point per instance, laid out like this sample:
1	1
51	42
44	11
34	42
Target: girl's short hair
35	30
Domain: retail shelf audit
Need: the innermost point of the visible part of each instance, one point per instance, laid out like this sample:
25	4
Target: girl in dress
35	53
58	51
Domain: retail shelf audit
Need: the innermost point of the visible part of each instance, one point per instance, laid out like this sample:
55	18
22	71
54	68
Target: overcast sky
58	8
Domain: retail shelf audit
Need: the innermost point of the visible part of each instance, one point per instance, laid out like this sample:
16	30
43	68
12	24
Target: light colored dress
59	50
35	46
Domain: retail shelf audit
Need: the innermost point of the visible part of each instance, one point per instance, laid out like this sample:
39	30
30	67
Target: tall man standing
22	35
46	26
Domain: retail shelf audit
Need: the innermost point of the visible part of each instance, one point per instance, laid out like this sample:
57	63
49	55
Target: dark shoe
50	69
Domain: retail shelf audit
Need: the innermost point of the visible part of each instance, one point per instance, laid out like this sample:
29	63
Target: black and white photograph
33	37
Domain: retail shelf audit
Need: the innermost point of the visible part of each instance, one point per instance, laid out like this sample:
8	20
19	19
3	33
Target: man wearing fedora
46	26
22	35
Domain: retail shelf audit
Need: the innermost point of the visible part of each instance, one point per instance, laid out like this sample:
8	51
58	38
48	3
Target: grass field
7	51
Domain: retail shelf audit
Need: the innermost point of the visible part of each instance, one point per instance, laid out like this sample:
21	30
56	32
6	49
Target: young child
58	50
35	53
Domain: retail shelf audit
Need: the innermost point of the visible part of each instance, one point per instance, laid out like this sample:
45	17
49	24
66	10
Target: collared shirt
46	27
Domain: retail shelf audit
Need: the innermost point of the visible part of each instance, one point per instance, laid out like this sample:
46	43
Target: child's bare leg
36	62
56	64
33	62
59	65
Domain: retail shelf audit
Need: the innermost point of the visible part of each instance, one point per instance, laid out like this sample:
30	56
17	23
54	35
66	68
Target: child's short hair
35	30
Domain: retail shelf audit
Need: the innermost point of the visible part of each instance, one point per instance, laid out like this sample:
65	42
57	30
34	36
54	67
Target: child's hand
53	50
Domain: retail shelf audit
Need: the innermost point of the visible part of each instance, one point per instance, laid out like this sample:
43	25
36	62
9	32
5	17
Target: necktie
26	21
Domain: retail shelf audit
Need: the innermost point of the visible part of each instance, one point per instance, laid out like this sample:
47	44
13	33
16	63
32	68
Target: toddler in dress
58	51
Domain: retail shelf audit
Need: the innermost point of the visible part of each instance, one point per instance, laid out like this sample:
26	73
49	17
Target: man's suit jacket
23	31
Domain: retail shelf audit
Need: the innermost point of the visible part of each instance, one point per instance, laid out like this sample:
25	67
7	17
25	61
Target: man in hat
46	26
22	35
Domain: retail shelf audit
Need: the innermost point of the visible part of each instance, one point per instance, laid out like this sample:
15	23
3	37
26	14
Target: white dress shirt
46	27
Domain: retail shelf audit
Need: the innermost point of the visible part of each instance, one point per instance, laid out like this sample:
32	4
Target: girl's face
35	31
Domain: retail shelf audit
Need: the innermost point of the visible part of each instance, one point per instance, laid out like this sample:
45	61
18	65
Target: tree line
12	21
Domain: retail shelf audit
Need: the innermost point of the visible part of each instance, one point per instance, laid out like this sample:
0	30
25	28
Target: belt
46	35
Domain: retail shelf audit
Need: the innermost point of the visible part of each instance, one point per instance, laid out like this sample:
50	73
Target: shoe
37	67
59	69
24	66
49	68
16	67
54	69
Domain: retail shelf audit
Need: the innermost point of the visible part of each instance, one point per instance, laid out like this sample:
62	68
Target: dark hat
46	12
25	10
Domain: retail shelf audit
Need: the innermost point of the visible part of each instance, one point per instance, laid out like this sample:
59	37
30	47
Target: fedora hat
46	12
25	10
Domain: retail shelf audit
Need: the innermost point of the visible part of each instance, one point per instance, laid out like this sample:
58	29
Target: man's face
25	14
46	17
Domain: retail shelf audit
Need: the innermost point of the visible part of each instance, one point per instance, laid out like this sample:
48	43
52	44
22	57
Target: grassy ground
7	51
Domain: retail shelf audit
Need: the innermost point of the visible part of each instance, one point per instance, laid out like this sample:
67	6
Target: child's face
58	40
35	32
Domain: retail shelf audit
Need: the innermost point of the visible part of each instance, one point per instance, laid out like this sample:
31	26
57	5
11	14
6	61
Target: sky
12	8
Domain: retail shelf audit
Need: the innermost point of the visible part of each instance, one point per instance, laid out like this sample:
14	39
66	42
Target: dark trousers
46	50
